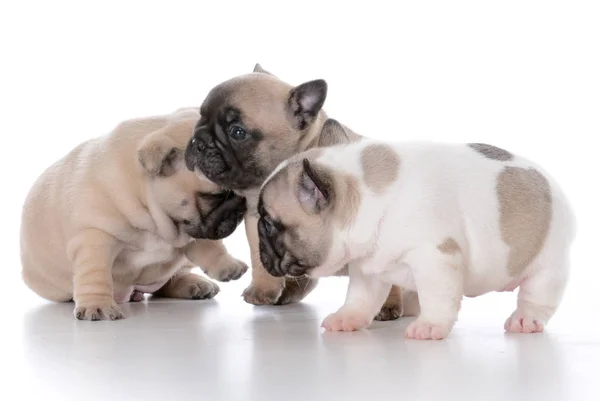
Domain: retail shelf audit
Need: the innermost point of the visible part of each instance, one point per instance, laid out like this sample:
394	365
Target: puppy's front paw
104	310
346	320
259	295
522	322
231	269
421	329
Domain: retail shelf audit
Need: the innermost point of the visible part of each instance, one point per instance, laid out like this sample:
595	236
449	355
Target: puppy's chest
147	249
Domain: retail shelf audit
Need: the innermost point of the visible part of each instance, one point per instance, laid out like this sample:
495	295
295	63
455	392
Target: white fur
442	191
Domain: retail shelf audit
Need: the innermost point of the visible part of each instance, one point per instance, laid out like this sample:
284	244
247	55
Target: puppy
117	218
445	220
249	125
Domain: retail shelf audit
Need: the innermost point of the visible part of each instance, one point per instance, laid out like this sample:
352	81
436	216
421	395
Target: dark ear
159	157
333	133
258	68
314	189
306	100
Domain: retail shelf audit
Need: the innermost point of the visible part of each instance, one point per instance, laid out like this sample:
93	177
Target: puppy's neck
362	237
159	223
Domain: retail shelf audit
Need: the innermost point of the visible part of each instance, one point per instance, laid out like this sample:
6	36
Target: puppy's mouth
220	222
210	152
206	156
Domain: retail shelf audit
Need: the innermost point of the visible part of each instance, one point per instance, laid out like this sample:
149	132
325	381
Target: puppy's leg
264	289
410	303
438	278
540	294
366	295
92	253
392	309
214	260
187	285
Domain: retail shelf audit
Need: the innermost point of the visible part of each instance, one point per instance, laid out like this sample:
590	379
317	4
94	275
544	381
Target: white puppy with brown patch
445	220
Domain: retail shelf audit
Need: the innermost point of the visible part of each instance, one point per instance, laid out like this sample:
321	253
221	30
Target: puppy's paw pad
203	290
522	323
423	330
389	312
233	271
261	296
109	311
345	321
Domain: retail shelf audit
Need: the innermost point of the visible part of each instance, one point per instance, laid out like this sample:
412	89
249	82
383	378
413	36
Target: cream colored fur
97	225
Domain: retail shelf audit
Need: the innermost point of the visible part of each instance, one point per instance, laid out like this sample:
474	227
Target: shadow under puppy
249	125
445	220
121	215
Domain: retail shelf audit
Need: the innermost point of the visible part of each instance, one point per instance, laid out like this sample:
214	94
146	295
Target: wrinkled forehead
251	95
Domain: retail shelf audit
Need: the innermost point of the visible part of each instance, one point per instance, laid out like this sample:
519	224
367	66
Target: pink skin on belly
513	285
136	293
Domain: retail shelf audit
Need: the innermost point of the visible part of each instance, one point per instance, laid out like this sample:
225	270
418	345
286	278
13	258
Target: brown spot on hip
525	201
380	165
449	246
491	152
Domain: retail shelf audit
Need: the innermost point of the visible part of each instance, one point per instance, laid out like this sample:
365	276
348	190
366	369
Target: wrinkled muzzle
222	220
273	255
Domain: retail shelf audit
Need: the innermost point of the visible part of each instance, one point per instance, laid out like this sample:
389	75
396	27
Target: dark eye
269	226
237	133
186	222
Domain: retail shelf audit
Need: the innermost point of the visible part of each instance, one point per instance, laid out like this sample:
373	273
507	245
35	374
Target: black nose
200	144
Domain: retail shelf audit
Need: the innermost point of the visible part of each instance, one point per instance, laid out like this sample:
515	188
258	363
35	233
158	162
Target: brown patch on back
449	246
380	166
525	201
492	152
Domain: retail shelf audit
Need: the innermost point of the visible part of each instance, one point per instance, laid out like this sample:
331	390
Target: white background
523	75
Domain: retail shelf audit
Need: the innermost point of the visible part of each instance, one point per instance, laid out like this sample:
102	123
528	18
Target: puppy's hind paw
389	312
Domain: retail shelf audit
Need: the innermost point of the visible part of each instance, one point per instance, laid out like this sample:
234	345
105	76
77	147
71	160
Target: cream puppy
119	216
445	220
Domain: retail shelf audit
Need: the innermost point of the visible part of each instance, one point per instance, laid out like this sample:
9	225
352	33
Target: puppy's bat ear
314	189
159	156
258	68
333	133
305	101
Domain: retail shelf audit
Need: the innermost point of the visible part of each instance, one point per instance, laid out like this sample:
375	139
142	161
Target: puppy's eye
269	226
237	133
186	222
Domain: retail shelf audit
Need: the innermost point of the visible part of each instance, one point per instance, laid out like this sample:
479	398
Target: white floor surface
224	349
